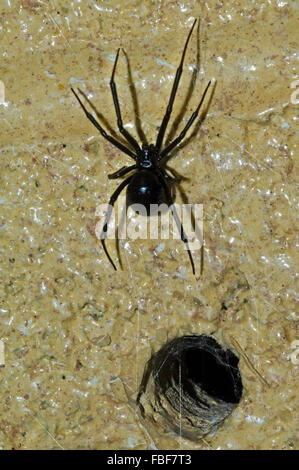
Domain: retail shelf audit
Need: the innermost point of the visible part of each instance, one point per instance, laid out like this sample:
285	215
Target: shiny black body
148	182
145	188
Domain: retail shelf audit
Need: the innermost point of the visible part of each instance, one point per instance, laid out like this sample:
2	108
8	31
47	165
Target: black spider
149	184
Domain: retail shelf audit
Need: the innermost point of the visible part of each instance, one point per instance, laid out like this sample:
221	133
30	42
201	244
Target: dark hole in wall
198	378
214	374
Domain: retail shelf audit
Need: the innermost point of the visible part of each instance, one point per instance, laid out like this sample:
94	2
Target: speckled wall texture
76	334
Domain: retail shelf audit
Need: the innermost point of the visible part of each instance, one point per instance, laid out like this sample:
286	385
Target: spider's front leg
175	85
121	128
108	137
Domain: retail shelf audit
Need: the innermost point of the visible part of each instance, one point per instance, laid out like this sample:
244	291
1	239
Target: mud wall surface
76	334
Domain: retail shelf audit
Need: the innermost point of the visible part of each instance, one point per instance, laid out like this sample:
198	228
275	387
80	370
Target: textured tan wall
77	335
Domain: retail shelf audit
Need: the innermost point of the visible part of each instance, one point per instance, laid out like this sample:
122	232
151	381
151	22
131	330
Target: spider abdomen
146	189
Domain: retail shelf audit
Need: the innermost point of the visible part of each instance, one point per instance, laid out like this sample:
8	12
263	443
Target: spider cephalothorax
148	156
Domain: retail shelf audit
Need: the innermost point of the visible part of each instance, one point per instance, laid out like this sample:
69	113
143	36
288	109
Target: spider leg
102	131
184	237
170	178
138	123
112	201
176	82
176	141
121	128
123	171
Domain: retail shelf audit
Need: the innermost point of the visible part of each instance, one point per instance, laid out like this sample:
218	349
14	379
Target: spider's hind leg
179	225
